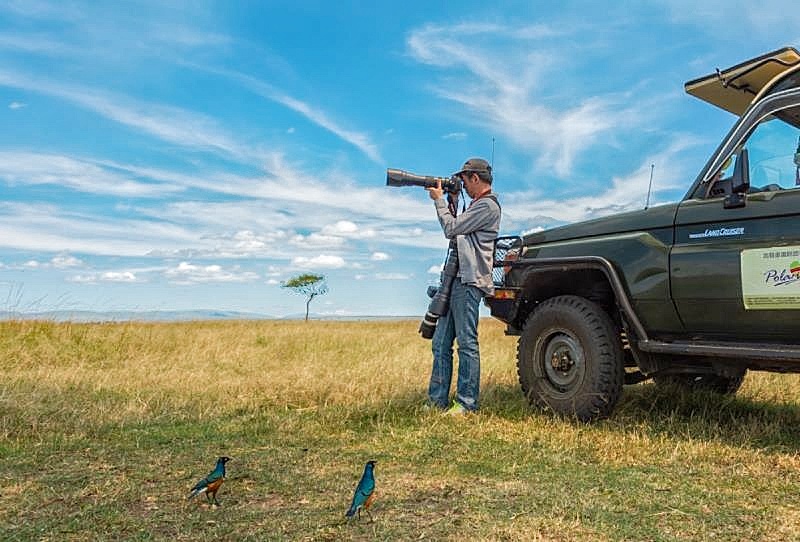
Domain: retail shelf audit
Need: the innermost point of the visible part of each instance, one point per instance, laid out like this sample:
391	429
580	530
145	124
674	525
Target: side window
774	152
721	180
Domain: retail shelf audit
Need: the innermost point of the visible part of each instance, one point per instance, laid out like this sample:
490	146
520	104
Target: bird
364	494
211	483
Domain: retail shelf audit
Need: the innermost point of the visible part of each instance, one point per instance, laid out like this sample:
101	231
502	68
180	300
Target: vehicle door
735	271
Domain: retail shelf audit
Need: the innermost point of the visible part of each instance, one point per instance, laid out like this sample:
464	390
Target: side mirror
740	182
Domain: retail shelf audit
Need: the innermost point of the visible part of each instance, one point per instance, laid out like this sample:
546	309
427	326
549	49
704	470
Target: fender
533	266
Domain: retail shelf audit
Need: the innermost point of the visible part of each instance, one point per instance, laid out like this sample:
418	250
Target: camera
398	177
440	297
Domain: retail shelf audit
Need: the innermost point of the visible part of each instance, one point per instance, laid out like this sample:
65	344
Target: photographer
475	231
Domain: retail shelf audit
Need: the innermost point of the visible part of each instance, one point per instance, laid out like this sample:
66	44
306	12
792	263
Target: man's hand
436	192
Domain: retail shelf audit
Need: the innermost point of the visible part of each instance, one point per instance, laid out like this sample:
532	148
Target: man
475	231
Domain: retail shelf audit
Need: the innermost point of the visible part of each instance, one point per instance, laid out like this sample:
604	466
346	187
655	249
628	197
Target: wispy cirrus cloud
358	139
35	43
167	123
32	168
768	18
49	228
510	97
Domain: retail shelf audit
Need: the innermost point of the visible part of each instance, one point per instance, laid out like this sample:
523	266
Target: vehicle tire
723	385
570	360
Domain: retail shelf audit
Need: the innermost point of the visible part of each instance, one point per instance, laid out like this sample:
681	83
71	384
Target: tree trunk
309	303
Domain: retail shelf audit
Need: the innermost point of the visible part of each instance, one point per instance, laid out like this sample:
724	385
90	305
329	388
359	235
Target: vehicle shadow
646	408
736	420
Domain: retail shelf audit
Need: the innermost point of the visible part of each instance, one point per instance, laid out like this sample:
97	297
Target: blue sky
195	155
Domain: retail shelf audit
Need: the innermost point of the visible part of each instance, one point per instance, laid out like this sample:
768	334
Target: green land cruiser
693	293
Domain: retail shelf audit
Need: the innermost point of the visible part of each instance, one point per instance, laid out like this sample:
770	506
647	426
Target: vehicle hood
661	216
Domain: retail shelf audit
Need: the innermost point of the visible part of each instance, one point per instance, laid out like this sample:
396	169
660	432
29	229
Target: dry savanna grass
105	427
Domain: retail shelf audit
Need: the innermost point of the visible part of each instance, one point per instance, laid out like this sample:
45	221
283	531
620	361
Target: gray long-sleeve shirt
475	231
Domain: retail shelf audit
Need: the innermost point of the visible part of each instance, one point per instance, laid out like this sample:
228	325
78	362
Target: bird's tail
351	511
196	492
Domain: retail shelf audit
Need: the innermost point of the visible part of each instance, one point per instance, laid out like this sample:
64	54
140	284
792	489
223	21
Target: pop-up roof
734	89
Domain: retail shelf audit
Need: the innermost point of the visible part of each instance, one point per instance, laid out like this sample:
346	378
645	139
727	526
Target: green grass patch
104	428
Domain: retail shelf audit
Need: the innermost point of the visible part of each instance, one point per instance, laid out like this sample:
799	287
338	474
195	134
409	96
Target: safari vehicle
693	293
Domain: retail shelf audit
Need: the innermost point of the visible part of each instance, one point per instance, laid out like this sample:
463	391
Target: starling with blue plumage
364	494
211	483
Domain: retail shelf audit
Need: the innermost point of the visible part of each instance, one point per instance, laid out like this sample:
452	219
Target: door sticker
771	278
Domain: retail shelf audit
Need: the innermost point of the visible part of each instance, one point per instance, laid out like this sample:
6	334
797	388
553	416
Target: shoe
456	410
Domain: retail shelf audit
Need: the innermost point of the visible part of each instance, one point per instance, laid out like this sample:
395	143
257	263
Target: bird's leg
371	520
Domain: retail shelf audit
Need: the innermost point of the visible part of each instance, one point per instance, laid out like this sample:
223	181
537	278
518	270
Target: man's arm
478	217
475	218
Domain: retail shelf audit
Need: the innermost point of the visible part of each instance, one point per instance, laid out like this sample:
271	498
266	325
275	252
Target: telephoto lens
428	325
398	177
440	300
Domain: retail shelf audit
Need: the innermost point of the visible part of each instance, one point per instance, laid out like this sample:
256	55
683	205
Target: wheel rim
562	361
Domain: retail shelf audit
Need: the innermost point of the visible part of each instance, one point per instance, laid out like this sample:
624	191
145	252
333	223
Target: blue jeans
461	323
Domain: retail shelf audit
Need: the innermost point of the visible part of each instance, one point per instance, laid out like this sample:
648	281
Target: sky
175	156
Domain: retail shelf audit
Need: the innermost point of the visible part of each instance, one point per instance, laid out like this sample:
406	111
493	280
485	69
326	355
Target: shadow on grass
677	413
735	420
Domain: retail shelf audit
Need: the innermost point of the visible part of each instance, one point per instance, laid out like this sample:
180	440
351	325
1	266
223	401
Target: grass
105	427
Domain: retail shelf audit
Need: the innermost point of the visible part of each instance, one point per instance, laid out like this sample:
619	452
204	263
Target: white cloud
358	139
316	240
63	261
342	227
507	97
393	276
32	264
105	276
118	276
321	261
379	257
625	193
456	136
767	18
32	168
171	124
50	229
17	105
188	273
273	282
435	269
346	228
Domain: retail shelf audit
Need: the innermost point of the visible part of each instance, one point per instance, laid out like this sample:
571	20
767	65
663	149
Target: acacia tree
307	284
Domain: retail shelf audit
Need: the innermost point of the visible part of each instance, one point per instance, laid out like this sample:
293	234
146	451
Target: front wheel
570	360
